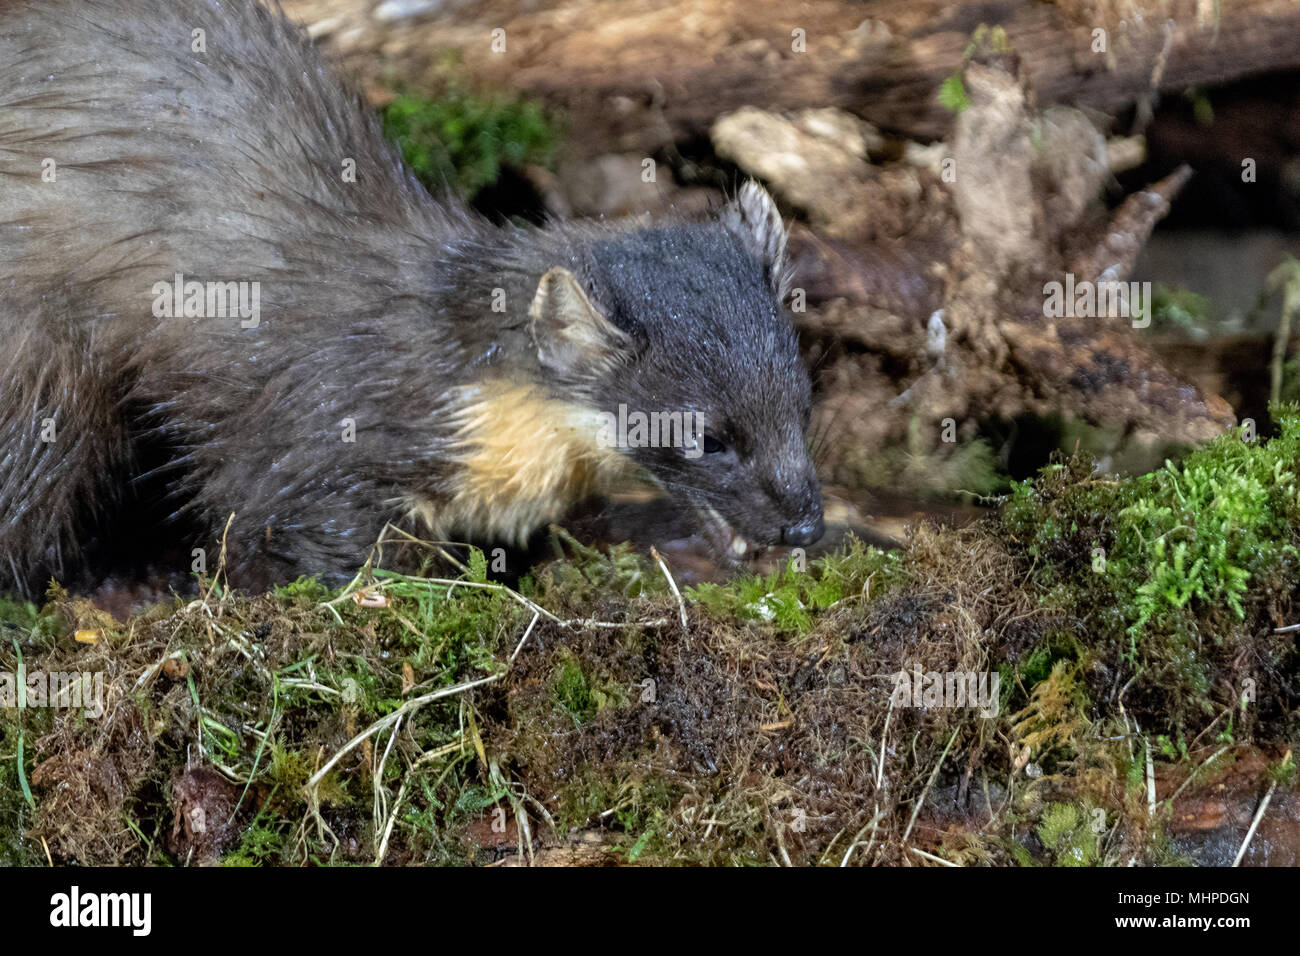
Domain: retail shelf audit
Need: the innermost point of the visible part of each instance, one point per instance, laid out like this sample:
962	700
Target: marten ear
753	217
570	333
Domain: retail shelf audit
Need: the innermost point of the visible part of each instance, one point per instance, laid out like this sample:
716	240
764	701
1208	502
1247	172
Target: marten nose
806	532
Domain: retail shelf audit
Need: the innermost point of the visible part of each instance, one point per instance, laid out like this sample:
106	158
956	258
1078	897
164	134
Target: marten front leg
305	502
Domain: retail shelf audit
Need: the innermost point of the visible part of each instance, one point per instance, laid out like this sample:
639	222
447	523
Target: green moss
262	844
582	695
1036	666
1283	773
1206	530
1160	552
1159	593
442	629
574	692
640	808
306	589
1168	577
22	615
464	140
1172	750
791	599
1067	831
37	629
1020	855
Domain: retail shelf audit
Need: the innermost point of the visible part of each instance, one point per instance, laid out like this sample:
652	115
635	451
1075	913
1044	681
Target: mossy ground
1133	624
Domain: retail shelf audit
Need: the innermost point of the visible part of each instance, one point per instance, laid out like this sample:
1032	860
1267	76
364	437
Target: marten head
687	320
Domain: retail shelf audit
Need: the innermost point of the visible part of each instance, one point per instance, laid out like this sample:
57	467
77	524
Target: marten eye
712	446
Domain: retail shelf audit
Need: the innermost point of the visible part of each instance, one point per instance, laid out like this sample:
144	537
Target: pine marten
222	292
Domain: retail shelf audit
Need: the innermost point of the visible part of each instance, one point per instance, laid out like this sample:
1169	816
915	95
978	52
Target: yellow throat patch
524	459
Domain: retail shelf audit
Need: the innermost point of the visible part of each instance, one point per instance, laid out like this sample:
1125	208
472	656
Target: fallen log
636	75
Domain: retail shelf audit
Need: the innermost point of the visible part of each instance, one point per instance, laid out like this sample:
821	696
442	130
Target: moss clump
262	844
790	600
18	615
1170	569
308	590
464	140
574	691
1069	833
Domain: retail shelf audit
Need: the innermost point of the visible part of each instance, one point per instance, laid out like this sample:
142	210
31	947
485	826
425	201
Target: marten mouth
723	538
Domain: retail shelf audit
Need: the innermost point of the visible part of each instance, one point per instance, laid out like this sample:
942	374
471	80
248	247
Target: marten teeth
735	545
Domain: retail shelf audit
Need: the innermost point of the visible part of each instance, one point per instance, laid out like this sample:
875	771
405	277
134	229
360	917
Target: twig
1259	815
928	784
1227	710
1151	778
377	778
873	824
931	856
780	845
681	605
830	846
220	572
392	818
884	736
1192	776
1254	824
